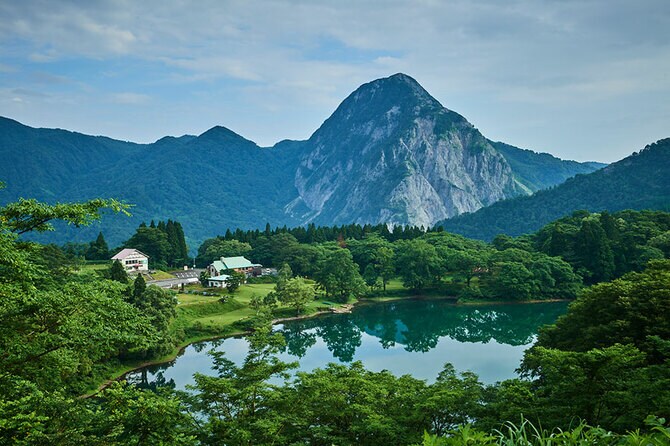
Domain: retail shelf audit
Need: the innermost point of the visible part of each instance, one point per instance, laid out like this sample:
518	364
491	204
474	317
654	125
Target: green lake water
415	337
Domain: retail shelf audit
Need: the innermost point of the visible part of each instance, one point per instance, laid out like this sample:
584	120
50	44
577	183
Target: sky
584	80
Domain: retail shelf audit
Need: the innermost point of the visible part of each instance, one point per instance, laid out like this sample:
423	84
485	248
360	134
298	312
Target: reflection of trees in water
298	338
429	321
140	379
419	325
342	338
341	335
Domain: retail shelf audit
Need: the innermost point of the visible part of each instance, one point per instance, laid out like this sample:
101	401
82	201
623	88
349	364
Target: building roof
221	278
233	263
126	252
237	262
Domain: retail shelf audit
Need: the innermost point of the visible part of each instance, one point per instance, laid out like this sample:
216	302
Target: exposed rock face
392	153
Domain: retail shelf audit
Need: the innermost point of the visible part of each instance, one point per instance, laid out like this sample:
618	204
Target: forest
553	263
599	375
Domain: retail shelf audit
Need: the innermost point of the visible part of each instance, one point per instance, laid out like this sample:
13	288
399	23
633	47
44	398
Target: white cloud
130	98
500	63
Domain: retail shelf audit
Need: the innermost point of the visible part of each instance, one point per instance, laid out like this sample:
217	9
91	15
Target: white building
218	281
239	264
133	259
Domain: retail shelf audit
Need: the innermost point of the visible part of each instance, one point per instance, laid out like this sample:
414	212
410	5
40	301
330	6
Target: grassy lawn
203	317
162	275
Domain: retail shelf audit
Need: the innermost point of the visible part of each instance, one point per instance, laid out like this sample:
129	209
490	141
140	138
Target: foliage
237	401
164	243
339	276
56	334
296	293
26	215
636	182
417	263
98	249
234	280
614	345
158	306
215	248
117	272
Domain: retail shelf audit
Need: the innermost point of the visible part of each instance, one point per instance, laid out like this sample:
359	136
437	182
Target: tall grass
527	434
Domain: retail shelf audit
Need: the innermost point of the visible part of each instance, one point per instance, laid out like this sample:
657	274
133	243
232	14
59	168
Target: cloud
502	64
130	98
4	68
30	93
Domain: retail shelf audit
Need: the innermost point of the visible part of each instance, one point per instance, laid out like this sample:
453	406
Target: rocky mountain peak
381	103
392	153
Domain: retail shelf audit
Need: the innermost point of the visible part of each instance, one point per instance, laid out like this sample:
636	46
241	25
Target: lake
415	337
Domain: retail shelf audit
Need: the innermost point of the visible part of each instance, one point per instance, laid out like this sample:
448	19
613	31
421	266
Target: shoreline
179	349
342	309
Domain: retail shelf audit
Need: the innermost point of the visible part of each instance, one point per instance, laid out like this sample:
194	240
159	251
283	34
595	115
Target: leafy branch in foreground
28	215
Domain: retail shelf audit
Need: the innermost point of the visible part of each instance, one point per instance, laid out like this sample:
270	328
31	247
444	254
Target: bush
262	279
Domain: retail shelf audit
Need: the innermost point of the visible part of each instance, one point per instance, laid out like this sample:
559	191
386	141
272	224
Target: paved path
189	273
171	283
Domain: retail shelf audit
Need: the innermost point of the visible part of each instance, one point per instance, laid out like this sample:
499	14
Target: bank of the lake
202	318
416	337
205	318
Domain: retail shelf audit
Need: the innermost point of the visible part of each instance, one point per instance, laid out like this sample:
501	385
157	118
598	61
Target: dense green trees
237	403
542	266
339	276
55	336
98	249
613	344
606	361
117	272
417	263
164	243
604	246
296	293
216	248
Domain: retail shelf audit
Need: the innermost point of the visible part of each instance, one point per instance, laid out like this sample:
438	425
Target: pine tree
171	233
118	273
98	250
139	286
181	242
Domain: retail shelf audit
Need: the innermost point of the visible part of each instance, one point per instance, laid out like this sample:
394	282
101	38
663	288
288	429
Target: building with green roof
239	264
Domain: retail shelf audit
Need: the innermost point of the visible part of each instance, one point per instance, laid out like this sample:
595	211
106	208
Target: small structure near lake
132	260
218	281
238	264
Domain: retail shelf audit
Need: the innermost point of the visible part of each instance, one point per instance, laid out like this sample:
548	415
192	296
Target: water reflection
414	337
419	325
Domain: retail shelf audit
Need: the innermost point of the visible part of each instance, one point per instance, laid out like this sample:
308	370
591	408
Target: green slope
539	171
640	181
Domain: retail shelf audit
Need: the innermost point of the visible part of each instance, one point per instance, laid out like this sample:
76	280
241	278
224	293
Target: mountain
539	171
390	153
639	181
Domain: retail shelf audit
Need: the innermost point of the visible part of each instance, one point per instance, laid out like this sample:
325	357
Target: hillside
390	153
639	181
539	171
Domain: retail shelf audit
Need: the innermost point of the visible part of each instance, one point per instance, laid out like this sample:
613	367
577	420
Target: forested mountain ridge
531	168
390	153
639	181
